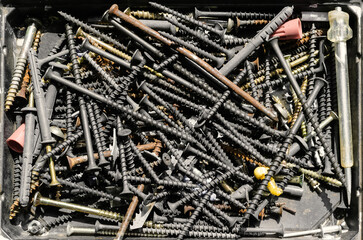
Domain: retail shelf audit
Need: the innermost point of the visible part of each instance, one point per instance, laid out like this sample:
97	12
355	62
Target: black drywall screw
202	228
217	60
241	15
96	135
99	119
165	84
123	134
258	39
144	162
194	216
217	146
92	30
110	80
235	137
268	100
186	18
202	37
126	144
84	188
194	176
166	62
92	166
218	179
17	178
119	107
148	103
262	186
39	164
251	78
207	114
235	41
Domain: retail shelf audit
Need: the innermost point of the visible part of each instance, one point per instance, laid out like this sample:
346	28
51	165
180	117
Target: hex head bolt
257	40
202	37
218	31
40	200
28	151
41	113
114	10
20	64
307	110
92	166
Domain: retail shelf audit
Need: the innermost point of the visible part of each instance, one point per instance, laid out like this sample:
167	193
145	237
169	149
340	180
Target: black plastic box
13	13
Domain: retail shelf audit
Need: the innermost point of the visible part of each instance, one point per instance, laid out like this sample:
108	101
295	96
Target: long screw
186	18
20	65
40	200
92	166
241	15
200	36
92	30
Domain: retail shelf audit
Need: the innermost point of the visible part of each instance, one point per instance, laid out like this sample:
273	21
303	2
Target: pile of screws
145	131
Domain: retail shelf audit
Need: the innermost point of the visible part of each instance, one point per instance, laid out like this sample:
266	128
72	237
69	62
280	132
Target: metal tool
338	33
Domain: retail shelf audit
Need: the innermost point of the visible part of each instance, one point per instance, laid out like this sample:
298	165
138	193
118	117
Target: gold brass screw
40	200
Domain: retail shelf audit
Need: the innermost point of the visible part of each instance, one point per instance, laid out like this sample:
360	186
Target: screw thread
198	35
184	17
15	82
96	134
39	164
192	47
147	15
92	30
